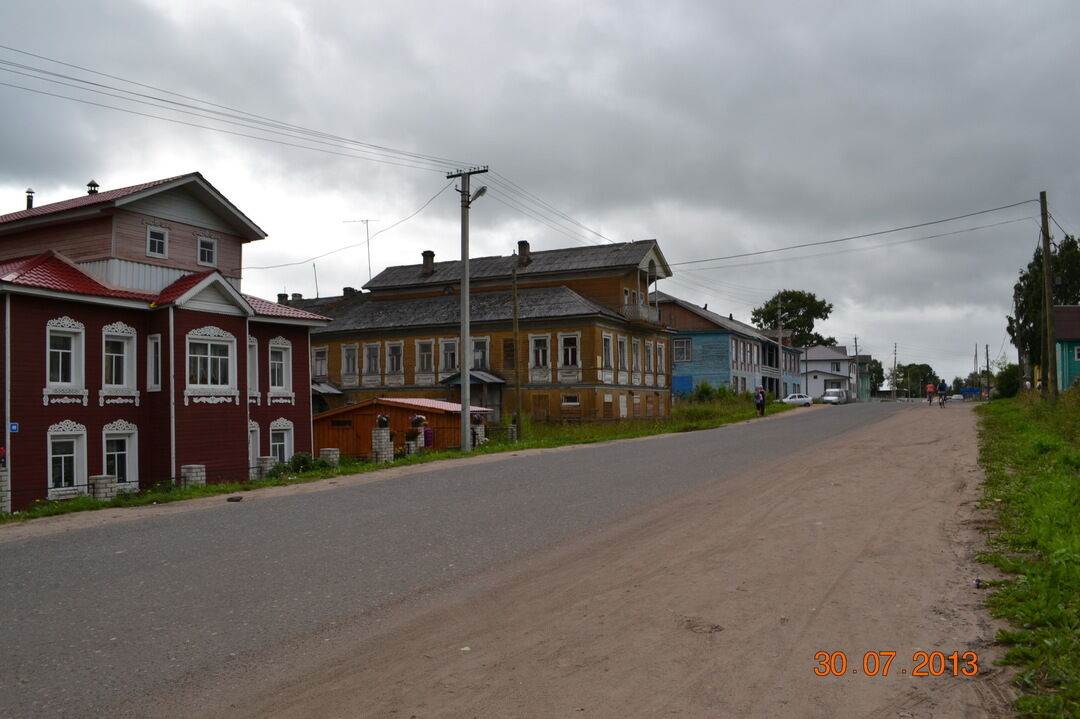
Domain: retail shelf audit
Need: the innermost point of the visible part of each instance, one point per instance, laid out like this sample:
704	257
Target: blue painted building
724	352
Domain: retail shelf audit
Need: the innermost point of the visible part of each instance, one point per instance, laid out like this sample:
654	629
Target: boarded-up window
508	354
540	406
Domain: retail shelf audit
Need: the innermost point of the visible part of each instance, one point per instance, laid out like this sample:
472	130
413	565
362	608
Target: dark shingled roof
361	313
570	259
725	323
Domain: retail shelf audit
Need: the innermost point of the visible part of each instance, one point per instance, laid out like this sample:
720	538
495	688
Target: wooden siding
180	205
182	247
82	240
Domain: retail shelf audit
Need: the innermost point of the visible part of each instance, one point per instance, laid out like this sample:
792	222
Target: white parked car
803	400
834	396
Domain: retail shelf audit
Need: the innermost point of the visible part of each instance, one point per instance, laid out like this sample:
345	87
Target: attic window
207	251
157	242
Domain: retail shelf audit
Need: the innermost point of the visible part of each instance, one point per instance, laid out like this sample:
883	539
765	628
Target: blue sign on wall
13	427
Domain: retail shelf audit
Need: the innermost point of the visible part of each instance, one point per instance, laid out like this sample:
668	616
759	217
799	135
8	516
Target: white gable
181	205
214	298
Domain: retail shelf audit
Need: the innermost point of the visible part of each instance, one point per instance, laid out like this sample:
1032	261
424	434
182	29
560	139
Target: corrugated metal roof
569	259
726	323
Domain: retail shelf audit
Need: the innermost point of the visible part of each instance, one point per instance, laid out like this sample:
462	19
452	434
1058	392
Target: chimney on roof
297	296
730	316
91	187
348	292
524	257
429	263
29	198
282	298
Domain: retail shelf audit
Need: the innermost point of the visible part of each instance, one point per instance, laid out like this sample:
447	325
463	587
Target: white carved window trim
532	351
400	345
73	392
126	393
283	393
210	394
68	429
315	353
486	342
122	429
253	370
648	356
661	366
164	254
443	344
577	350
285	427
212	245
418	369
367	370
635	355
622	353
607	350
153	352
350	379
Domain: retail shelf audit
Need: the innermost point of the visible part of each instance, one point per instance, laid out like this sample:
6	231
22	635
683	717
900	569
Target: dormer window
208	251
157	242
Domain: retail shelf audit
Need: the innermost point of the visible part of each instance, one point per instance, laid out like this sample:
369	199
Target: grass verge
684	418
1030	452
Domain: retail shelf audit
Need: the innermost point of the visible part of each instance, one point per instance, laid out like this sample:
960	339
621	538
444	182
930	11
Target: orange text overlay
880	663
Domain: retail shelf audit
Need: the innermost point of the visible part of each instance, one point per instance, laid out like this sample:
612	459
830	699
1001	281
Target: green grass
1030	451
684	418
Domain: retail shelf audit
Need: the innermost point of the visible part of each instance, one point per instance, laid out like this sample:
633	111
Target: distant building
825	367
1067	344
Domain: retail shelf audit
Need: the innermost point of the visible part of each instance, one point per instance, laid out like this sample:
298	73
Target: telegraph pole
465	345
988	372
856	368
517	352
1050	352
893	383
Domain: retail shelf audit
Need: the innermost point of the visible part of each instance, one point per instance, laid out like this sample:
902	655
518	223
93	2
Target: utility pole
517	351
1050	352
779	346
465	345
856	368
893	383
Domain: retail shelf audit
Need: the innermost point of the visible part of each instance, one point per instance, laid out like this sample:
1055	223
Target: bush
1008	381
703	392
301	462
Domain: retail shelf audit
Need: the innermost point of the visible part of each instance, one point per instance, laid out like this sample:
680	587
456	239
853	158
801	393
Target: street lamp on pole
465	344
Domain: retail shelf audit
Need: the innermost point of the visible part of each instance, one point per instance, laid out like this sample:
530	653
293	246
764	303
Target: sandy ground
713	604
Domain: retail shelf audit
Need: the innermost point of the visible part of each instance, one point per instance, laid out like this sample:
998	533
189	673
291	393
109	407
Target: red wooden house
128	349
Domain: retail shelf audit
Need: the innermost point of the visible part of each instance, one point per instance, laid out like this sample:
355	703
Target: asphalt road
93	617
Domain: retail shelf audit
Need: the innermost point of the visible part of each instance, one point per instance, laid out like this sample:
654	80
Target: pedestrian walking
759	400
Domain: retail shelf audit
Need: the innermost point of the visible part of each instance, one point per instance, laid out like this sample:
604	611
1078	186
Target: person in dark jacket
759	400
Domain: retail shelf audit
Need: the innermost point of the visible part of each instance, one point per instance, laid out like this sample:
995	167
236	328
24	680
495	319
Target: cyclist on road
942	392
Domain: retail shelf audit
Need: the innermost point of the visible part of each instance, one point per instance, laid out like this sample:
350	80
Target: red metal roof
86	200
52	271
265	308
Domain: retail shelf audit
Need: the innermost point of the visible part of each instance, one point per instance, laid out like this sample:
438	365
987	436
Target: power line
358	244
853	237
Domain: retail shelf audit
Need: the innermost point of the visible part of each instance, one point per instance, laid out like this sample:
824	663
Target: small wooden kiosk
349	428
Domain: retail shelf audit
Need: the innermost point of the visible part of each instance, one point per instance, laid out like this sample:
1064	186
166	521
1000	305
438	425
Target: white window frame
280	392
607	350
350	379
649	356
575	403
125	334
213	245
420	369
622	355
400	347
576	336
661	366
57	392
122	429
635	355
253	369
533	348
443	344
484	342
67	430
1076	353
211	393
682	343
285	427
164	254
153	363
320	360
367	369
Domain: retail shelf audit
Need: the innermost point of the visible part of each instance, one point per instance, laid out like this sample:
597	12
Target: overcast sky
718	128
